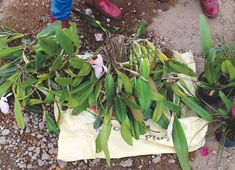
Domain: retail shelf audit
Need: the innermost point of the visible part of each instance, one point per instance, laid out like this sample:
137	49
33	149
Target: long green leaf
182	68
205	35
51	124
126	133
158	111
181	145
109	89
49	30
80	108
73	35
7	51
226	101
197	108
18	113
143	93
63	81
64	41
49	46
145	68
126	81
56	64
120	109
141	27
92	22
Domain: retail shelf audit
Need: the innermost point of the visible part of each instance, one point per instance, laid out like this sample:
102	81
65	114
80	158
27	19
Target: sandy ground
179	26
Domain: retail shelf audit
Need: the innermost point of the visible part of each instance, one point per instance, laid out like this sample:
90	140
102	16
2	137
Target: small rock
45	156
126	163
171	161
30	154
27	130
61	164
156	160
108	19
22	165
2	140
88	11
37	150
40	162
31	148
213	152
74	163
6	132
99	37
29	166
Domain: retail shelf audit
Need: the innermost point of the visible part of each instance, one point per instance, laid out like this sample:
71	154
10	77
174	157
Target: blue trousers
60	9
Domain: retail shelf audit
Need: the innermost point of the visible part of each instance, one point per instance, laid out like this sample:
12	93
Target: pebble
37	150
40	162
62	164
29	166
126	163
22	165
214	152
6	132
2	140
156	160
31	148
171	161
45	156
88	11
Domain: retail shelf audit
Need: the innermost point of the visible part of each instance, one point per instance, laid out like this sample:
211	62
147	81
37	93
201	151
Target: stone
31	148
126	163
40	162
88	11
45	156
22	165
29	166
156	160
171	161
37	150
2	140
62	164
6	132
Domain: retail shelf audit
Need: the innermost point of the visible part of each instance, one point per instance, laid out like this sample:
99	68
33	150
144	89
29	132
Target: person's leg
210	7
106	7
60	10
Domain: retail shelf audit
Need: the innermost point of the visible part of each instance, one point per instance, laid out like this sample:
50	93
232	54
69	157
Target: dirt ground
172	24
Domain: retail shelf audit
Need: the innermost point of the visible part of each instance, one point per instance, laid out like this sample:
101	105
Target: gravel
126	163
156	160
40	162
171	161
6	132
2	140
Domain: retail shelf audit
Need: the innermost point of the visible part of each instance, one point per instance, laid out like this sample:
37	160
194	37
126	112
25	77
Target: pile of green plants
144	84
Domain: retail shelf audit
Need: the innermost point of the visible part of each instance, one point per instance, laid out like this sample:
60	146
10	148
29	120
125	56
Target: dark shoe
64	24
210	7
106	7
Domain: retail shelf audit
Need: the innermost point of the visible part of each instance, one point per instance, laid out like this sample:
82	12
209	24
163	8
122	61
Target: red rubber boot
106	7
210	7
64	24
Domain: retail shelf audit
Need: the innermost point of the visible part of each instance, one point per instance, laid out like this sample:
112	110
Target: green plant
219	68
145	84
223	118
